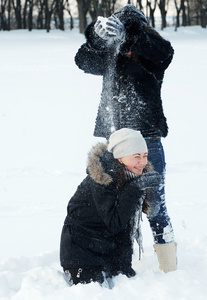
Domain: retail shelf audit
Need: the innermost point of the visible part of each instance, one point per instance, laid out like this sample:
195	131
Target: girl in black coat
132	60
103	214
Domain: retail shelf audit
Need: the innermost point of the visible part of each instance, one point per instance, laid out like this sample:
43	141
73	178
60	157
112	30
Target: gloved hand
147	180
110	29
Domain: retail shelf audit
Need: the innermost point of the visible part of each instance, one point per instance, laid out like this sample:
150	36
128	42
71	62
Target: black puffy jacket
97	231
131	93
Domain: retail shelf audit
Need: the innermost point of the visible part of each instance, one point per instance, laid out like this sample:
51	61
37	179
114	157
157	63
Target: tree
163	6
59	11
203	12
40	15
152	11
184	14
9	14
30	15
83	8
17	10
67	8
103	8
178	11
3	20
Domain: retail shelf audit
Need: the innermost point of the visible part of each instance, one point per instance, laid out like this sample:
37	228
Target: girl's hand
147	180
110	29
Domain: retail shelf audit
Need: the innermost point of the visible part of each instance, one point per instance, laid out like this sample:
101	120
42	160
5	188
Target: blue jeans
158	217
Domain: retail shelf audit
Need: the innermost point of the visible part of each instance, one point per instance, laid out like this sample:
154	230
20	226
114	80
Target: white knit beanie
125	142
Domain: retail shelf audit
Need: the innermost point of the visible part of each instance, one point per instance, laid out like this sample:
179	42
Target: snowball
103	21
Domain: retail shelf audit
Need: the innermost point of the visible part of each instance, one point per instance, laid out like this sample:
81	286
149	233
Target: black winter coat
131	93
97	231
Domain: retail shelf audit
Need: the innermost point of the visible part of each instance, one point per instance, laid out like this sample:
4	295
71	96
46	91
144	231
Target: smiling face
135	163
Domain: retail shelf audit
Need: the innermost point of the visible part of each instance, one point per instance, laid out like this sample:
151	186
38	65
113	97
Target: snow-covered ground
47	113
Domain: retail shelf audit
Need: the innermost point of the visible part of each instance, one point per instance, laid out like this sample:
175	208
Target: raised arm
93	55
146	43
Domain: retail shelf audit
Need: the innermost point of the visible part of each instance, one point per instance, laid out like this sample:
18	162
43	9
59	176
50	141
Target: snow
103	21
47	114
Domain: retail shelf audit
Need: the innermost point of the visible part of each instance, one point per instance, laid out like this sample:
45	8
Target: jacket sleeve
145	42
93	55
116	209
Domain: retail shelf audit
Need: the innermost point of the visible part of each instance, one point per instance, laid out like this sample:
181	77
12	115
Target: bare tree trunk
25	15
184	16
178	10
101	8
18	14
17	10
188	13
203	13
71	18
83	8
9	15
96	9
152	11
140	4
60	13
40	23
163	11
48	13
203	17
47	22
30	15
3	23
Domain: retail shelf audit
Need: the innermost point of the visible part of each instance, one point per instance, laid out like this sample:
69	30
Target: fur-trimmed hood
101	164
95	166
